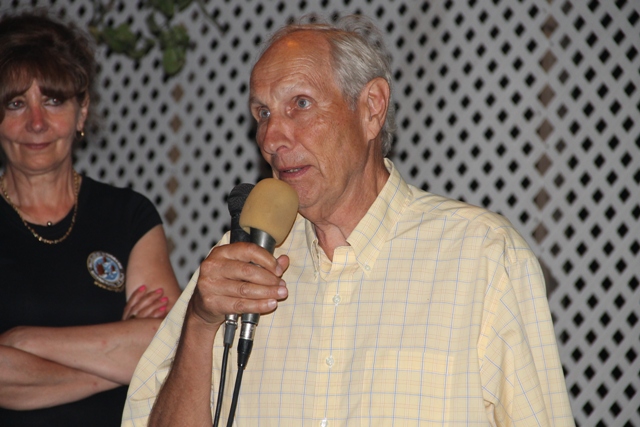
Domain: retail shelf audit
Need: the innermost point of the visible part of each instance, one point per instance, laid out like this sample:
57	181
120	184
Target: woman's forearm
110	350
30	382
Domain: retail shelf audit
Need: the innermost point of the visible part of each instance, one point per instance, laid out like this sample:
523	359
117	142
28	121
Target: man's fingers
238	278
243	252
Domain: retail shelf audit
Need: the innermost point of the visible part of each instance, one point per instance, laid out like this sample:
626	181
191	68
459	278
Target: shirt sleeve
522	376
144	216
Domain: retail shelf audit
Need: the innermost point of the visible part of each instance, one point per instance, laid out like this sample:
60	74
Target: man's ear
375	98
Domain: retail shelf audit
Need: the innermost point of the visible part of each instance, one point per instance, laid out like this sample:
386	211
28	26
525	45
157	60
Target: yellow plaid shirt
436	314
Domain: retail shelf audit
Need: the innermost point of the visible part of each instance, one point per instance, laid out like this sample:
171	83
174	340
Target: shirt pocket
405	388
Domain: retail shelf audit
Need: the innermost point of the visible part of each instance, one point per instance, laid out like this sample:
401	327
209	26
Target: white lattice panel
528	107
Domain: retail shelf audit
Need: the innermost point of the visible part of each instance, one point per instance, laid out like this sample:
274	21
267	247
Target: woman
84	266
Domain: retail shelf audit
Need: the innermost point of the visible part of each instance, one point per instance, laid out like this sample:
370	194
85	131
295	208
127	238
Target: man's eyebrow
253	100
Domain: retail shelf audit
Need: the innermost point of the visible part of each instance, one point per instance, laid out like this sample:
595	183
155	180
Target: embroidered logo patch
106	271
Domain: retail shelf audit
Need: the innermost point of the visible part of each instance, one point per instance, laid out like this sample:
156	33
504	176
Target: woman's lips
37	146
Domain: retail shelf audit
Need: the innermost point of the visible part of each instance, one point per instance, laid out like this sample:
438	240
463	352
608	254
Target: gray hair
358	54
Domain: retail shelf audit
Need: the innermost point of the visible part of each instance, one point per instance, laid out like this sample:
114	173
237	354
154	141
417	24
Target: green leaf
183	4
143	51
173	59
153	26
166	7
175	36
166	39
174	41
180	35
120	39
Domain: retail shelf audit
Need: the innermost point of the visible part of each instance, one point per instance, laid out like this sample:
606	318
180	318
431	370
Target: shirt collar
374	229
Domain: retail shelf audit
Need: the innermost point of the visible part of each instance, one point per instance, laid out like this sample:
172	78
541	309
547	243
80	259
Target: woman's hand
146	304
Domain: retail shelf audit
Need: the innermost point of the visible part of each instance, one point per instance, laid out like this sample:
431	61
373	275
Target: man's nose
275	134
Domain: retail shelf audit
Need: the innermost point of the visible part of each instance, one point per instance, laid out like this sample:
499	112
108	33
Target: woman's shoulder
128	211
103	194
103	189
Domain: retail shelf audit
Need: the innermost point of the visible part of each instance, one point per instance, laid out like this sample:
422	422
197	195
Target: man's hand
238	278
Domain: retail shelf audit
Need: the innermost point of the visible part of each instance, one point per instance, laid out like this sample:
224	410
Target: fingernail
272	304
282	291
158	291
163	308
164	299
142	288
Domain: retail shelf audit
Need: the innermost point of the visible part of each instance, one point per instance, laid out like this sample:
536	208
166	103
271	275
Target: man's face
306	130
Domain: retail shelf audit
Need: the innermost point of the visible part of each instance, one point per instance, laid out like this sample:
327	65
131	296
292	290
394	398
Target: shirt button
337	299
329	361
366	267
324	423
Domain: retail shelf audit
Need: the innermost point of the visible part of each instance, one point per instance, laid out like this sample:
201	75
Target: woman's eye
55	101
14	104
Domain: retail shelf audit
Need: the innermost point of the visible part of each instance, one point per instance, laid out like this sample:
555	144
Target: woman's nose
37	120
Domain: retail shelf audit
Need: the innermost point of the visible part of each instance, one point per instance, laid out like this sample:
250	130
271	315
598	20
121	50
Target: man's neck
335	226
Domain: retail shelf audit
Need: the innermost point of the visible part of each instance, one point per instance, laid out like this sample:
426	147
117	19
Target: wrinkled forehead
296	50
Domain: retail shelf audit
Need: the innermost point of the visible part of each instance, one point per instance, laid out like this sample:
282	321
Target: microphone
235	202
267	216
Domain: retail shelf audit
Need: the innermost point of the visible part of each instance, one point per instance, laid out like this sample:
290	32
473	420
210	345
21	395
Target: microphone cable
234	400
229	333
245	345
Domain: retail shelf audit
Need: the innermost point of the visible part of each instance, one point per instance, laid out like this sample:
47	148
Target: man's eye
263	113
303	103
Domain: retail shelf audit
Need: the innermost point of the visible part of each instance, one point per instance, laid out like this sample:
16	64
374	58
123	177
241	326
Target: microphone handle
231	320
262	239
250	320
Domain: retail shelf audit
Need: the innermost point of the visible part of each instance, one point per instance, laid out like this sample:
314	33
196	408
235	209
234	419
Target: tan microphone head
272	207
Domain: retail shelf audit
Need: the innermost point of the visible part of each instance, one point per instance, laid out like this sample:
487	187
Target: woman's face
37	132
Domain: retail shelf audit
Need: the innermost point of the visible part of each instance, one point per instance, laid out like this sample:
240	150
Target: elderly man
385	305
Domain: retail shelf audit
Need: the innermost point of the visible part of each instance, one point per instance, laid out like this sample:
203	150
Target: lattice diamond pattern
527	107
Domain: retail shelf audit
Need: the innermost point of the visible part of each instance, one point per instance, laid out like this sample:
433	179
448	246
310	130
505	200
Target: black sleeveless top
52	285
